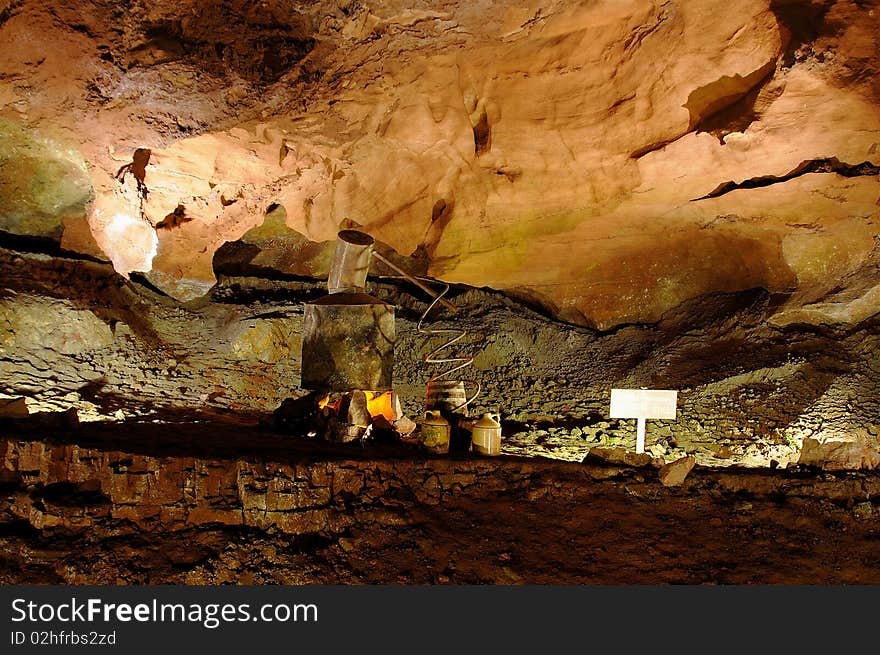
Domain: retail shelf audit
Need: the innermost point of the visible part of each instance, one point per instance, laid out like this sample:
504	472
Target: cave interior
275	276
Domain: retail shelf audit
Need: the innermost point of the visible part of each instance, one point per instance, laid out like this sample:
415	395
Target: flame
379	403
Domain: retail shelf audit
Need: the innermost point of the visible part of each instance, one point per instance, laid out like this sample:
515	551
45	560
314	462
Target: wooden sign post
642	404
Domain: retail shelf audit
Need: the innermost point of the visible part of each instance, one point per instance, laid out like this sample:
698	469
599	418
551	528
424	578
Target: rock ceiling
607	160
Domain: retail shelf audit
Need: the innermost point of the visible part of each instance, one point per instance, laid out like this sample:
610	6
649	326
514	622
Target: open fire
348	354
379	403
358	415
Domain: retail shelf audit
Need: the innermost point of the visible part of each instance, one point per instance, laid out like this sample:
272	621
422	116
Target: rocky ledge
204	503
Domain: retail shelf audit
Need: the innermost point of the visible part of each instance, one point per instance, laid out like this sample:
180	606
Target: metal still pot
348	335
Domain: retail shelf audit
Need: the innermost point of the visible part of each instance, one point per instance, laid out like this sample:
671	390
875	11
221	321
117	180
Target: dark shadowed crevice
260	44
739	115
802	23
18	528
441	215
657	145
69	494
482	135
729	104
175	219
711	99
9	10
139	278
440	207
42	245
824	165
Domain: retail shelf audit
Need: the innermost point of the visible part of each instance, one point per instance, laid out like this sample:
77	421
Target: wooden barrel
446	395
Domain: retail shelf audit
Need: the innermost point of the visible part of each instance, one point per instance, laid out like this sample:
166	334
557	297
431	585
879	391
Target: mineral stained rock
840	455
155	513
690	186
646	153
31	323
674	473
620	456
116	350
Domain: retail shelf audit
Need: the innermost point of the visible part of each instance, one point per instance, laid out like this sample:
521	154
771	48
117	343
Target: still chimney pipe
351	262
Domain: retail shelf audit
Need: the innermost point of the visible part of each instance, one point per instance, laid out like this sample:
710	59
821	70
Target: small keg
446	396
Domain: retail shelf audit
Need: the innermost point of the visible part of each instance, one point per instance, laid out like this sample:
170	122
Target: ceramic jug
486	435
435	432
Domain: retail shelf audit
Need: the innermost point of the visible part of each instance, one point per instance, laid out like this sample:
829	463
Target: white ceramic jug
486	435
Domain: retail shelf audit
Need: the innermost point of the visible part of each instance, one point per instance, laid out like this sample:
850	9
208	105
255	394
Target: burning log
358	417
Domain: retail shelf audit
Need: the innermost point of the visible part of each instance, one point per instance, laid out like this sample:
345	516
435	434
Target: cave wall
75	514
606	161
76	335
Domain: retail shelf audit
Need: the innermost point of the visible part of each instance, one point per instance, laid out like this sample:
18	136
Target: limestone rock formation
43	184
840	455
644	153
620	456
28	323
674	473
671	194
263	339
693	186
77	514
74	334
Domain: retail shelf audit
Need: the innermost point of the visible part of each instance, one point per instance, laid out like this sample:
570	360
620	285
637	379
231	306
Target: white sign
643	404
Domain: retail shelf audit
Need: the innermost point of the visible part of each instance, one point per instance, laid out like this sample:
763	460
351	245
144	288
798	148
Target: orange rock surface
607	160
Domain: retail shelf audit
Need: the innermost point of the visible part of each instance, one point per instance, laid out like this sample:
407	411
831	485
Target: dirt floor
203	503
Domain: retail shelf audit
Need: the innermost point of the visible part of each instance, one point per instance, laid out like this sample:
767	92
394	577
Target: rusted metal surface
348	343
351	262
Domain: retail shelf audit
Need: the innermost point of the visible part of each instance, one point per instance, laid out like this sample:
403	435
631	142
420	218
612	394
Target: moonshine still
348	356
